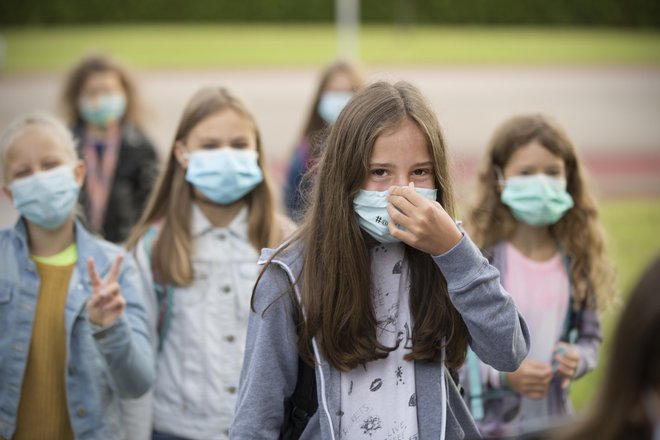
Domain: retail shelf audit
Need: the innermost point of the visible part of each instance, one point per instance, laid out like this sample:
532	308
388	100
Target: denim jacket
103	364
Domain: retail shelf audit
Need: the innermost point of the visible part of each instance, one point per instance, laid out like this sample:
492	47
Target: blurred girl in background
197	245
538	223
100	104
339	81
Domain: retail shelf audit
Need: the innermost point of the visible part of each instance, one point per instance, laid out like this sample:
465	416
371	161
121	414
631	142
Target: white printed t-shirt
378	400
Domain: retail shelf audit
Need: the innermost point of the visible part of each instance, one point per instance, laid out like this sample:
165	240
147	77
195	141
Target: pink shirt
541	292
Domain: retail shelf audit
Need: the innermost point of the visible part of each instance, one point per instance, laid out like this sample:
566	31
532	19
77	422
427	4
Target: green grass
49	49
632	228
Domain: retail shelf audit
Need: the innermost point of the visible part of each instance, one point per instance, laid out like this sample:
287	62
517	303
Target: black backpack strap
304	401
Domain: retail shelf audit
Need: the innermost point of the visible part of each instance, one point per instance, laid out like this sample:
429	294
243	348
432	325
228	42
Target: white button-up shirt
199	365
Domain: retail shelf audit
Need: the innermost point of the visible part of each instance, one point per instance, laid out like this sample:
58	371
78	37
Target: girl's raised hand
568	359
427	226
106	304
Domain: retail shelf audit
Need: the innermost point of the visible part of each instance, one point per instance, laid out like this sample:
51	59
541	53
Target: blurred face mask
538	200
46	198
224	175
331	104
103	110
371	209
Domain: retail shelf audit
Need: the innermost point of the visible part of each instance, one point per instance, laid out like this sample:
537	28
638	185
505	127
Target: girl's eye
21	173
422	172
379	172
209	146
50	165
239	145
553	173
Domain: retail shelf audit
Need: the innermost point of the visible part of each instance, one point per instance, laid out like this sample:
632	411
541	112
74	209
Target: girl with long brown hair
379	290
338	82
100	103
197	244
536	219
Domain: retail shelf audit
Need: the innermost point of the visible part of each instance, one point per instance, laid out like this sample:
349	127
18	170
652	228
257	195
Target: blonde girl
197	244
538	223
74	336
379	291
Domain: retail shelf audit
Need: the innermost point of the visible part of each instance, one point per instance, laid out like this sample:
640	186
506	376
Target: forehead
105	78
33	144
227	122
534	154
402	144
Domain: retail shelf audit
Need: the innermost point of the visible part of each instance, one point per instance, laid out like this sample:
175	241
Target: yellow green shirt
42	411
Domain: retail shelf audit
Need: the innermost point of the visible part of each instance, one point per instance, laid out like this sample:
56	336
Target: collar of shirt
201	225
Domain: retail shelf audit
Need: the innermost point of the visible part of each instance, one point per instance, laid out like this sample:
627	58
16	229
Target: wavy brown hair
336	294
579	232
171	200
75	81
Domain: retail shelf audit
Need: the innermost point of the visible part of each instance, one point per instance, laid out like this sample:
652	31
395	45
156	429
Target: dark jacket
135	177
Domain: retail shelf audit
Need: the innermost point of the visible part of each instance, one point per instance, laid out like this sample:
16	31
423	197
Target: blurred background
592	65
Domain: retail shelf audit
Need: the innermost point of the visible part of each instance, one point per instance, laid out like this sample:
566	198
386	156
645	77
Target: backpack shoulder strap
304	400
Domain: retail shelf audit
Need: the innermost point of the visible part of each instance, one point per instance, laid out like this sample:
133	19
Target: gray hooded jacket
498	334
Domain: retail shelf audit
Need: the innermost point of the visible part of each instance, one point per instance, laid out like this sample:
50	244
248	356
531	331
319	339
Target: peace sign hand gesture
106	304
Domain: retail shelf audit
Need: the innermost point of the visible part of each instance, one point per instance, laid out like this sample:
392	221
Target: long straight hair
171	200
337	284
579	232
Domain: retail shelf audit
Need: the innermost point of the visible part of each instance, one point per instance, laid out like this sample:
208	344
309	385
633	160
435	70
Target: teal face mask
108	108
224	175
46	198
371	209
538	200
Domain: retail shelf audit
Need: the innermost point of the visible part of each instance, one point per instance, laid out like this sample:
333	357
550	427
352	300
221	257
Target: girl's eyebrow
380	165
423	164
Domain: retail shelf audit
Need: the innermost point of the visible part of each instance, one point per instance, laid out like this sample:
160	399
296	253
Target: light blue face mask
224	175
331	104
371	209
109	108
46	198
538	200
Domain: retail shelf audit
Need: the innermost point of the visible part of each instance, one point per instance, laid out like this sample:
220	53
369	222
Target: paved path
612	114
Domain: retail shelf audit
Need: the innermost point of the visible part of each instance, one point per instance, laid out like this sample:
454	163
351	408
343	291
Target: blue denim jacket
103	364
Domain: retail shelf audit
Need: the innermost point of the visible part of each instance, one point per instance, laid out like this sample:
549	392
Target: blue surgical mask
331	104
538	199
46	198
224	175
109	108
371	209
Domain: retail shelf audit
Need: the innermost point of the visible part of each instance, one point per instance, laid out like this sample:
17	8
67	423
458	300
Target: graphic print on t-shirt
378	399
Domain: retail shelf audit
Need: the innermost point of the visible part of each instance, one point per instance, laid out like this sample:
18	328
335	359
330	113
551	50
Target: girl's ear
180	154
79	171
